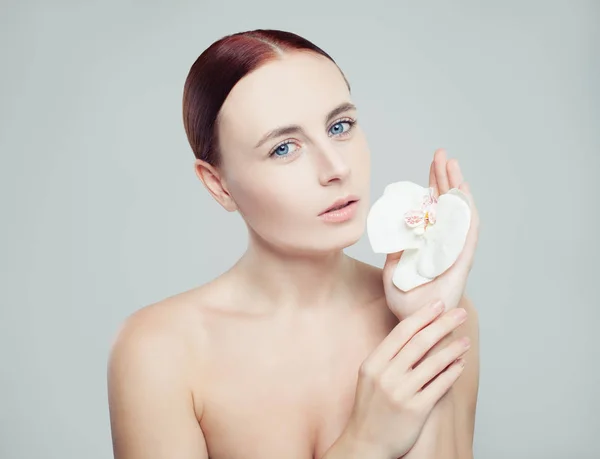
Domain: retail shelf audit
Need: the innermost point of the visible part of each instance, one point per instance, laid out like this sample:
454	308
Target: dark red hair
216	72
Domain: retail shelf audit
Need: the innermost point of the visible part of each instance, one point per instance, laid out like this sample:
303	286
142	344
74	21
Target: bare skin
198	376
266	384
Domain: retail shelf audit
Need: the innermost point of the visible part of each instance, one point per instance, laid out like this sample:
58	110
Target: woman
297	351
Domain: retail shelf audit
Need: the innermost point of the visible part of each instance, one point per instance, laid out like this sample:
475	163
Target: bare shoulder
166	332
150	373
153	342
159	323
170	333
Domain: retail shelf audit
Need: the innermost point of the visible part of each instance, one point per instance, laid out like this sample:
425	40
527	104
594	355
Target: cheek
264	202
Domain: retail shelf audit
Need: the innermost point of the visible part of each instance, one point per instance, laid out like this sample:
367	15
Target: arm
466	388
450	426
348	448
152	414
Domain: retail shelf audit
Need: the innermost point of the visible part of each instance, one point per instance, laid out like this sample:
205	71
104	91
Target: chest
285	394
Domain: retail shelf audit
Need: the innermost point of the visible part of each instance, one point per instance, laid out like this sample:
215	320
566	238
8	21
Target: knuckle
385	385
397	400
367	371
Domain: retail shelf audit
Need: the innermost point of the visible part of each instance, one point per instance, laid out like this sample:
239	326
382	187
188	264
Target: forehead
299	88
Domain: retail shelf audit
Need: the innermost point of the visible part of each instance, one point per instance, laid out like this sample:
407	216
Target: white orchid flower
431	231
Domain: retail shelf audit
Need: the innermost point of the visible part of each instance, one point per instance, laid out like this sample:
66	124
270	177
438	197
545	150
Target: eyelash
350	121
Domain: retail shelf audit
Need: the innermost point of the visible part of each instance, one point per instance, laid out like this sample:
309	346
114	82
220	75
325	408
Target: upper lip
340	202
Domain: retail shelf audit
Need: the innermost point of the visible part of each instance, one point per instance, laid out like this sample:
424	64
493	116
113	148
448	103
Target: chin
318	237
344	235
323	241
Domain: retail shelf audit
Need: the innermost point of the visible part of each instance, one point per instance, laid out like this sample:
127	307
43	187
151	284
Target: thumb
392	259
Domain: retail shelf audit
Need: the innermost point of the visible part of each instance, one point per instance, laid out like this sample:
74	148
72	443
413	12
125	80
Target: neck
284	280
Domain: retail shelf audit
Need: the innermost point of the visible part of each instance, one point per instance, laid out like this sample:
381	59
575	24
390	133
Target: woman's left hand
450	285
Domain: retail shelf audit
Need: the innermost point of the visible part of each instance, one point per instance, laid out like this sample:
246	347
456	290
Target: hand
450	285
396	389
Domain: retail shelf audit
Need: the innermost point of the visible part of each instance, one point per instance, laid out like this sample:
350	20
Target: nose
333	164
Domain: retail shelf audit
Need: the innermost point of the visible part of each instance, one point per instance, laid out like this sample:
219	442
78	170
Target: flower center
427	221
423	218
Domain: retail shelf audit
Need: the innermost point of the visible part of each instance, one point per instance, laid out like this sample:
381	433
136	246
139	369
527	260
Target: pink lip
340	202
343	214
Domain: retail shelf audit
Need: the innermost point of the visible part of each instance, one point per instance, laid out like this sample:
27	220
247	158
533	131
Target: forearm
438	439
450	427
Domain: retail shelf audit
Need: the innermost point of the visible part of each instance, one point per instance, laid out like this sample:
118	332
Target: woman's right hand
393	400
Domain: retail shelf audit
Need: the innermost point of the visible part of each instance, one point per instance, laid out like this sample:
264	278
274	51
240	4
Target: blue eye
338	129
283	150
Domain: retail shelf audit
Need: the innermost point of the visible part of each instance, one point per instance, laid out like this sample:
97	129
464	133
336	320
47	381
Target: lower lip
340	215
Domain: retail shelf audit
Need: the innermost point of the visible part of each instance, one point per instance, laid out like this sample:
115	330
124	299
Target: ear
215	184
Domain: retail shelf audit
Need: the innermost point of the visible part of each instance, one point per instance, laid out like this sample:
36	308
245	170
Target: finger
433	365
391	261
432	182
425	339
438	387
455	177
393	257
441	175
400	335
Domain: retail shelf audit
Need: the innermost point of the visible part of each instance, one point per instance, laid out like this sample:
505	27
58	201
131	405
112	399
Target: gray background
102	213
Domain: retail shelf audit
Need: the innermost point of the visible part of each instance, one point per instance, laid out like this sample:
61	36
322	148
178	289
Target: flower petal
386	228
445	240
405	275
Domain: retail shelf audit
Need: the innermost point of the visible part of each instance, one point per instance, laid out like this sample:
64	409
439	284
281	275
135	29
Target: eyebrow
294	128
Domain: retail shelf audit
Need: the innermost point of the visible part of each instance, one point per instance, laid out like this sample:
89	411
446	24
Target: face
281	184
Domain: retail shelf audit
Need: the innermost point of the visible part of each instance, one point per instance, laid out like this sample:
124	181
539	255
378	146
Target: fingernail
437	306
